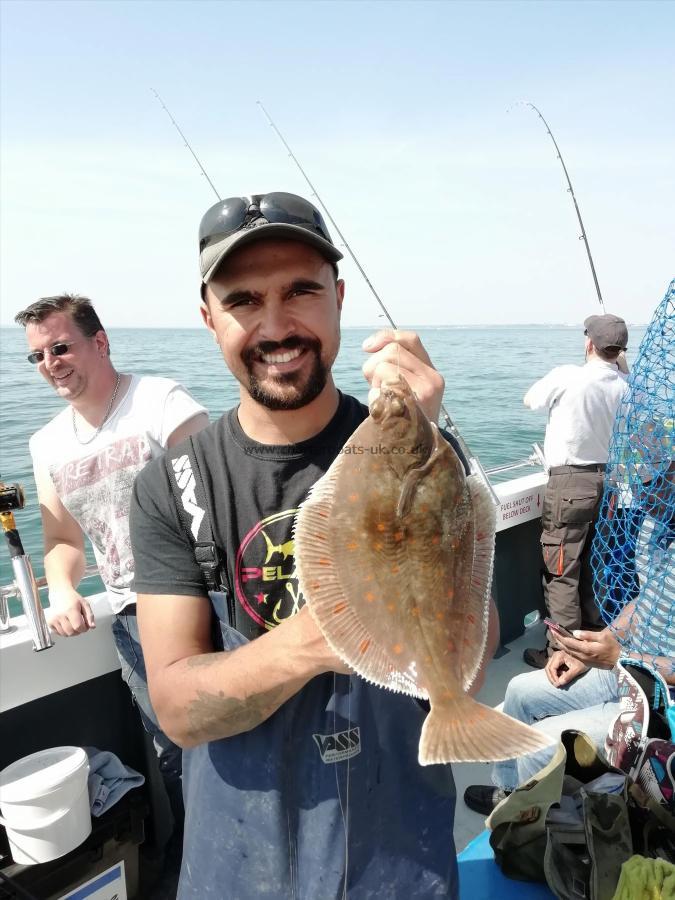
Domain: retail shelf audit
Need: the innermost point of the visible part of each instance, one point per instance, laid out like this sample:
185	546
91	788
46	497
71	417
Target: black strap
193	510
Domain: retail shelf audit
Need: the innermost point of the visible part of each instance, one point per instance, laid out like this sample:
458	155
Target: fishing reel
11	497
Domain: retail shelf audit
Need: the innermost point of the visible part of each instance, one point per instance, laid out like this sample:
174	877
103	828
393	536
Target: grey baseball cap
232	223
607	331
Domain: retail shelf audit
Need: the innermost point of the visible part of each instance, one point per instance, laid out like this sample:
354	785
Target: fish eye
397	406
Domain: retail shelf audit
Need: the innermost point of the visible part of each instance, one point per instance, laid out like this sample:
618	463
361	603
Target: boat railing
8	591
536	458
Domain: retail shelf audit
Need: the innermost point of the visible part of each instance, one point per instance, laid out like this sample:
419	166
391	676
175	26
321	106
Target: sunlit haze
457	209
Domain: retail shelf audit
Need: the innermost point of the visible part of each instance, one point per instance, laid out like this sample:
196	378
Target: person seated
577	689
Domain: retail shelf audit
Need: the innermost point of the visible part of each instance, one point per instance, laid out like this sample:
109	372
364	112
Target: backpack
575	823
641	738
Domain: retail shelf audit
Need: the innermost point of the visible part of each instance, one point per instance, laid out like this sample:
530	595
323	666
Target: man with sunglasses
581	402
85	460
300	780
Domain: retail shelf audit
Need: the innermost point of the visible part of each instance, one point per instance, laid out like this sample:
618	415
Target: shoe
483	798
536	658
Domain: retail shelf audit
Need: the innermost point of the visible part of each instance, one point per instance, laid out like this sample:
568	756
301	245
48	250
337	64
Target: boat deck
507	663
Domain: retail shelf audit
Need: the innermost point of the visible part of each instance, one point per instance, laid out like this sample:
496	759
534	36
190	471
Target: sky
456	208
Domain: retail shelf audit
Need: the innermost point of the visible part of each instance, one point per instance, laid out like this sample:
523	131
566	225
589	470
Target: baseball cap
231	223
606	331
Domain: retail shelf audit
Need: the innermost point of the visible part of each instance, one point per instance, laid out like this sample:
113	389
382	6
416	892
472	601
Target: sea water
487	371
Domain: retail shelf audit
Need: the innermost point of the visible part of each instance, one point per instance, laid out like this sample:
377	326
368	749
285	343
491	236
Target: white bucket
44	803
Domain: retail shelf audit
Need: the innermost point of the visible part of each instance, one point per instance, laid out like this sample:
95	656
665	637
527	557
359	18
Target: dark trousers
169	755
571	508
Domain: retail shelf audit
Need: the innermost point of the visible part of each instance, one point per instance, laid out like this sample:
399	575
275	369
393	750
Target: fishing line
474	464
344	806
186	142
570	190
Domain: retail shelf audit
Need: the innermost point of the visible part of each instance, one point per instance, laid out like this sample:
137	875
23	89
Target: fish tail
464	730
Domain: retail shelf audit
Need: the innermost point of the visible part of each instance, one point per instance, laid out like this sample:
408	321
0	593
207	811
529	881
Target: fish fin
464	730
478	605
319	581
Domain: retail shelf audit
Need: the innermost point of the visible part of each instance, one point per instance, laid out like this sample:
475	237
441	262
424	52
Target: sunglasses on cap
36	356
237	213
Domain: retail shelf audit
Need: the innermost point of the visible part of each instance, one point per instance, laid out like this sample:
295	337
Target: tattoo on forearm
210	710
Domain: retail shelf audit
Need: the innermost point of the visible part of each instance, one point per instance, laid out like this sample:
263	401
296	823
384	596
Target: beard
291	390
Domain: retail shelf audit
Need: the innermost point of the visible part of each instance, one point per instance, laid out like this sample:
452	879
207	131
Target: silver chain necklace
103	421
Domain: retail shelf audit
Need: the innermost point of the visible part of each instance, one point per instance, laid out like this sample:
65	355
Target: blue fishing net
633	552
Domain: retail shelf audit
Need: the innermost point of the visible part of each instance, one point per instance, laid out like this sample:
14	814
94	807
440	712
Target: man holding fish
300	778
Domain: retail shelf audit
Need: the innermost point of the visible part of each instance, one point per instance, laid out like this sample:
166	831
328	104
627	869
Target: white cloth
582	402
94	481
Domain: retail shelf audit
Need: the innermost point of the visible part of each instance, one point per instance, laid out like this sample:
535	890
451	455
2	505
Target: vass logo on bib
340	746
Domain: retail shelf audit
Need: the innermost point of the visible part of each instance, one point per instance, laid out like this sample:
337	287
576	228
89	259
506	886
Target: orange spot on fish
435	539
338	608
391	607
380	526
378	545
452	646
415	611
368	577
325	562
353	498
440	616
398	536
471	619
352	545
397	648
364	645
370	596
450	593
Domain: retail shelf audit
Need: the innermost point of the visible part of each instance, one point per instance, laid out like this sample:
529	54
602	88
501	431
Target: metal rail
536	458
8	591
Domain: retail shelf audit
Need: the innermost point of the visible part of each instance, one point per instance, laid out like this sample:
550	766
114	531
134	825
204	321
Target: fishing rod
474	464
570	190
186	142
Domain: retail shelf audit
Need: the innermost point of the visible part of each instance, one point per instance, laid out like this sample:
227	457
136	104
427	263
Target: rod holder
30	600
5	624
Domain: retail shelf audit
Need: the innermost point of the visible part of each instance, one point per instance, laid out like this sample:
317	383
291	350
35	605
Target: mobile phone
554	626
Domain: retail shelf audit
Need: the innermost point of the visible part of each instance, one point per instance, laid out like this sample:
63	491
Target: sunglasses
235	213
36	356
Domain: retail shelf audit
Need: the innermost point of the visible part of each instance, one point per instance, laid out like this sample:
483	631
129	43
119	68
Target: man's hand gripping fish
394	550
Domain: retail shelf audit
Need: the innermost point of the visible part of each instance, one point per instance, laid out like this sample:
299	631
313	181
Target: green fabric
646	879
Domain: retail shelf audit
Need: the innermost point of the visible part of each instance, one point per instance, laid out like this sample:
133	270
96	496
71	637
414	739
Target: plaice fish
394	550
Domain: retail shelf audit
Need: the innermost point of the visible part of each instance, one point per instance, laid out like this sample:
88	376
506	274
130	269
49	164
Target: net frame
633	550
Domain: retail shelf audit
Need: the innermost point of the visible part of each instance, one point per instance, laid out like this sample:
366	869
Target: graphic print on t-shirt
96	491
265	580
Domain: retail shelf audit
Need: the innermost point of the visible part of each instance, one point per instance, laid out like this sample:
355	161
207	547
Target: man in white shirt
582	402
85	461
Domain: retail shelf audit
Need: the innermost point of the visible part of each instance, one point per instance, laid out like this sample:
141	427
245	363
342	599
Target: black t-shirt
277	793
253	491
